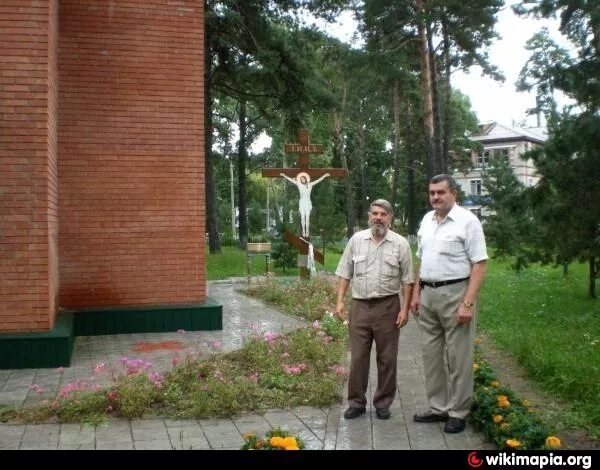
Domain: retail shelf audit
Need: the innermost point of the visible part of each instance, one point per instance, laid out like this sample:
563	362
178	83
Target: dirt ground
511	373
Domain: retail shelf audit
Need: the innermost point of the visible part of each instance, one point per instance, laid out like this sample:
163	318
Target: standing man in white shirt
452	253
379	263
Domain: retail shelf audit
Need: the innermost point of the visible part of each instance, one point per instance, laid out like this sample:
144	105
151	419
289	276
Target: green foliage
284	255
511	228
307	298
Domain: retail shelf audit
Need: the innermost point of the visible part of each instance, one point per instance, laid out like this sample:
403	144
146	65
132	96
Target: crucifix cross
303	148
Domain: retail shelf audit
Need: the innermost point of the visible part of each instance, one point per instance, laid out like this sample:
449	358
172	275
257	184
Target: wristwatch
467	304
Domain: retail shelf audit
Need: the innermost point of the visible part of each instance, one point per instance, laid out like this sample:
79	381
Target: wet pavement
320	428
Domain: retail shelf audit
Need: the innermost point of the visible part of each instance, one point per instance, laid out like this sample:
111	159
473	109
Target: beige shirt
449	249
376	270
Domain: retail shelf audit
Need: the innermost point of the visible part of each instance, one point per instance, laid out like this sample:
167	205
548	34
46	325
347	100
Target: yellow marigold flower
498	419
526	403
495	383
503	401
553	442
504	426
248	435
277	441
513	443
289	441
477	340
475	366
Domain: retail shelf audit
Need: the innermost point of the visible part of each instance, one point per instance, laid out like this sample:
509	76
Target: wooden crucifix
301	177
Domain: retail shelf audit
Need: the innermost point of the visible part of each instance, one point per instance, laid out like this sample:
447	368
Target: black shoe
429	417
352	412
383	413
455	425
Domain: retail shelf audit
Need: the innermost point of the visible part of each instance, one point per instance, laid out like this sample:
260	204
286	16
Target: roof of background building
494	132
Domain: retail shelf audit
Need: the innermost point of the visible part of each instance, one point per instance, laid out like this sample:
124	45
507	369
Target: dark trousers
373	320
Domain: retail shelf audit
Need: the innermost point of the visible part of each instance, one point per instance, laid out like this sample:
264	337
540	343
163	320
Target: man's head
442	193
380	217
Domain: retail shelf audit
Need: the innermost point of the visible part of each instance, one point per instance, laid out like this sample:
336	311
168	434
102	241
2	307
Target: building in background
496	140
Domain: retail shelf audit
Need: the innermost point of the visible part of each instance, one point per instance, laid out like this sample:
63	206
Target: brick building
101	170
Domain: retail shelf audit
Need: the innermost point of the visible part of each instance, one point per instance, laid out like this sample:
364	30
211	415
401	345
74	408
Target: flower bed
507	420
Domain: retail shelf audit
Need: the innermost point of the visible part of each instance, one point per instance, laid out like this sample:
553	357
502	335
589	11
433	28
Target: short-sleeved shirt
376	270
448	249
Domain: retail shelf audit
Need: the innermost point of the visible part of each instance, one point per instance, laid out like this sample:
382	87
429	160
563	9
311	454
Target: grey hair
386	206
448	179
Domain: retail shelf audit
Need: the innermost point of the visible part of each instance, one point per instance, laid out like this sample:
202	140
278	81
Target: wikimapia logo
533	460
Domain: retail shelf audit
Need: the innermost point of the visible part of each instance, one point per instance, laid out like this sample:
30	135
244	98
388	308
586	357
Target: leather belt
435	284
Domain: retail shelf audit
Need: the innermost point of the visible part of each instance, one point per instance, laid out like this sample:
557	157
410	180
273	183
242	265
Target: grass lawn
546	321
232	262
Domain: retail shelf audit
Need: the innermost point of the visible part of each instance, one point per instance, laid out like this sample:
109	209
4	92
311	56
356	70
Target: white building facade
496	140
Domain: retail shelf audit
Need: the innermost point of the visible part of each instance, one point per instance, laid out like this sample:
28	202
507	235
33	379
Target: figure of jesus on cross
305	186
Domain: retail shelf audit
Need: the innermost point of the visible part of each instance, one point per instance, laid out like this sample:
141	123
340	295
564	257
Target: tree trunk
447	118
395	149
438	164
212	217
339	149
242	159
426	93
593	274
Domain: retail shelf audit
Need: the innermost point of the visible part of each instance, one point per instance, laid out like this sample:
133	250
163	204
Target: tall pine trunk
438	163
447	117
338	117
426	92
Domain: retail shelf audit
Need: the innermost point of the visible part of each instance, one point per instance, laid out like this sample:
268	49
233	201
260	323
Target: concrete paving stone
252	423
114	445
85	446
149	430
188	438
159	444
11	435
77	434
333	418
222	434
113	433
313	418
180	423
285	420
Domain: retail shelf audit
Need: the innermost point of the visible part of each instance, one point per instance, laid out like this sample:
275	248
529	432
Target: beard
378	230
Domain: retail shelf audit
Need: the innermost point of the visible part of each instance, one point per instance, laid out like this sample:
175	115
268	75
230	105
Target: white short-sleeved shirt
376	270
448	249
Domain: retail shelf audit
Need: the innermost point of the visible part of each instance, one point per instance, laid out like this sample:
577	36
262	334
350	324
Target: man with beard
379	263
452	251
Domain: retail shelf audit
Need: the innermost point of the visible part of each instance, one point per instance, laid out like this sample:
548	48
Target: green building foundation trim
54	348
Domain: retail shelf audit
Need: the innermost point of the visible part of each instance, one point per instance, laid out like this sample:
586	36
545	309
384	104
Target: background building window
476	187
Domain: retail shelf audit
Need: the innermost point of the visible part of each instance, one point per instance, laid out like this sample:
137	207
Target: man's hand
464	314
402	318
340	311
414	303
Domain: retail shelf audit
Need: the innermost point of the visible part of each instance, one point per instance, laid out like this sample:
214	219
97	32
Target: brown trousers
373	320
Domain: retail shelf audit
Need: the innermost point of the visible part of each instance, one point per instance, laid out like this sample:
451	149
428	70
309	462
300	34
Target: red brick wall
131	166
28	223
